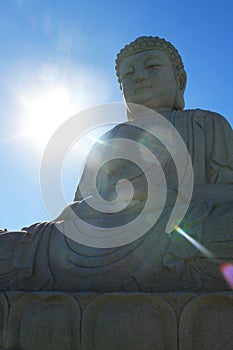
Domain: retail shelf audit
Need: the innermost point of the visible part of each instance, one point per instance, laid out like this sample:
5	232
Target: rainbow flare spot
227	272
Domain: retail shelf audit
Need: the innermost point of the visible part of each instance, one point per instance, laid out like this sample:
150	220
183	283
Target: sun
45	113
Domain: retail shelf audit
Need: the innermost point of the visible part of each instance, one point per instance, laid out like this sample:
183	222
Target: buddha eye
127	74
152	66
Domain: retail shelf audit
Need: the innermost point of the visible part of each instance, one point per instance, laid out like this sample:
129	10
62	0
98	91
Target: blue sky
57	58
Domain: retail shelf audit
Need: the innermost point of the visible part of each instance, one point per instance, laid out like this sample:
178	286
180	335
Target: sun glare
46	113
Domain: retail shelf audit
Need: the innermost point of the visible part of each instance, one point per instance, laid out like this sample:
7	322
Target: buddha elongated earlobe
181	84
179	102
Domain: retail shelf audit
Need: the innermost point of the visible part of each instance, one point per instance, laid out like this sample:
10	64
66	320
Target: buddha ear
181	81
180	87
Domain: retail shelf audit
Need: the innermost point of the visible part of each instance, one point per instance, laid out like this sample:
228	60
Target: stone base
116	321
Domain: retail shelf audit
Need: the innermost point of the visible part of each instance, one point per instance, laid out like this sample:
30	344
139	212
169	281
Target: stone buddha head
151	73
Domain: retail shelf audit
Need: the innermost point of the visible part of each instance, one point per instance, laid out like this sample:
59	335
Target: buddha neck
146	113
165	111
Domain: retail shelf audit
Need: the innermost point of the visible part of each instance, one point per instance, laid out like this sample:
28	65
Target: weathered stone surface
207	323
116	321
45	321
3	318
129	321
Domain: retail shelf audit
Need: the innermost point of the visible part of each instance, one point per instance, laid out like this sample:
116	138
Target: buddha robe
42	258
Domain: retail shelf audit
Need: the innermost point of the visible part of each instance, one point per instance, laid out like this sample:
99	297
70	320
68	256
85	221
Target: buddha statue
151	74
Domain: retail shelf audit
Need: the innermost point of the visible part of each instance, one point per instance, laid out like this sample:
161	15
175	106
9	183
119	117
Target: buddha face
147	78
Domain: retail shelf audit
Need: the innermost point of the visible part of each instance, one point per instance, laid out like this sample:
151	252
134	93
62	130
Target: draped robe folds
42	258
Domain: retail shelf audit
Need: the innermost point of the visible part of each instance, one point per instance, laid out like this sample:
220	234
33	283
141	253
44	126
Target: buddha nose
140	74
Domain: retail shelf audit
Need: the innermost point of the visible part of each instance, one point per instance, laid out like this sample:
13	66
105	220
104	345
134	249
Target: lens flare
225	268
120	146
195	243
227	272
